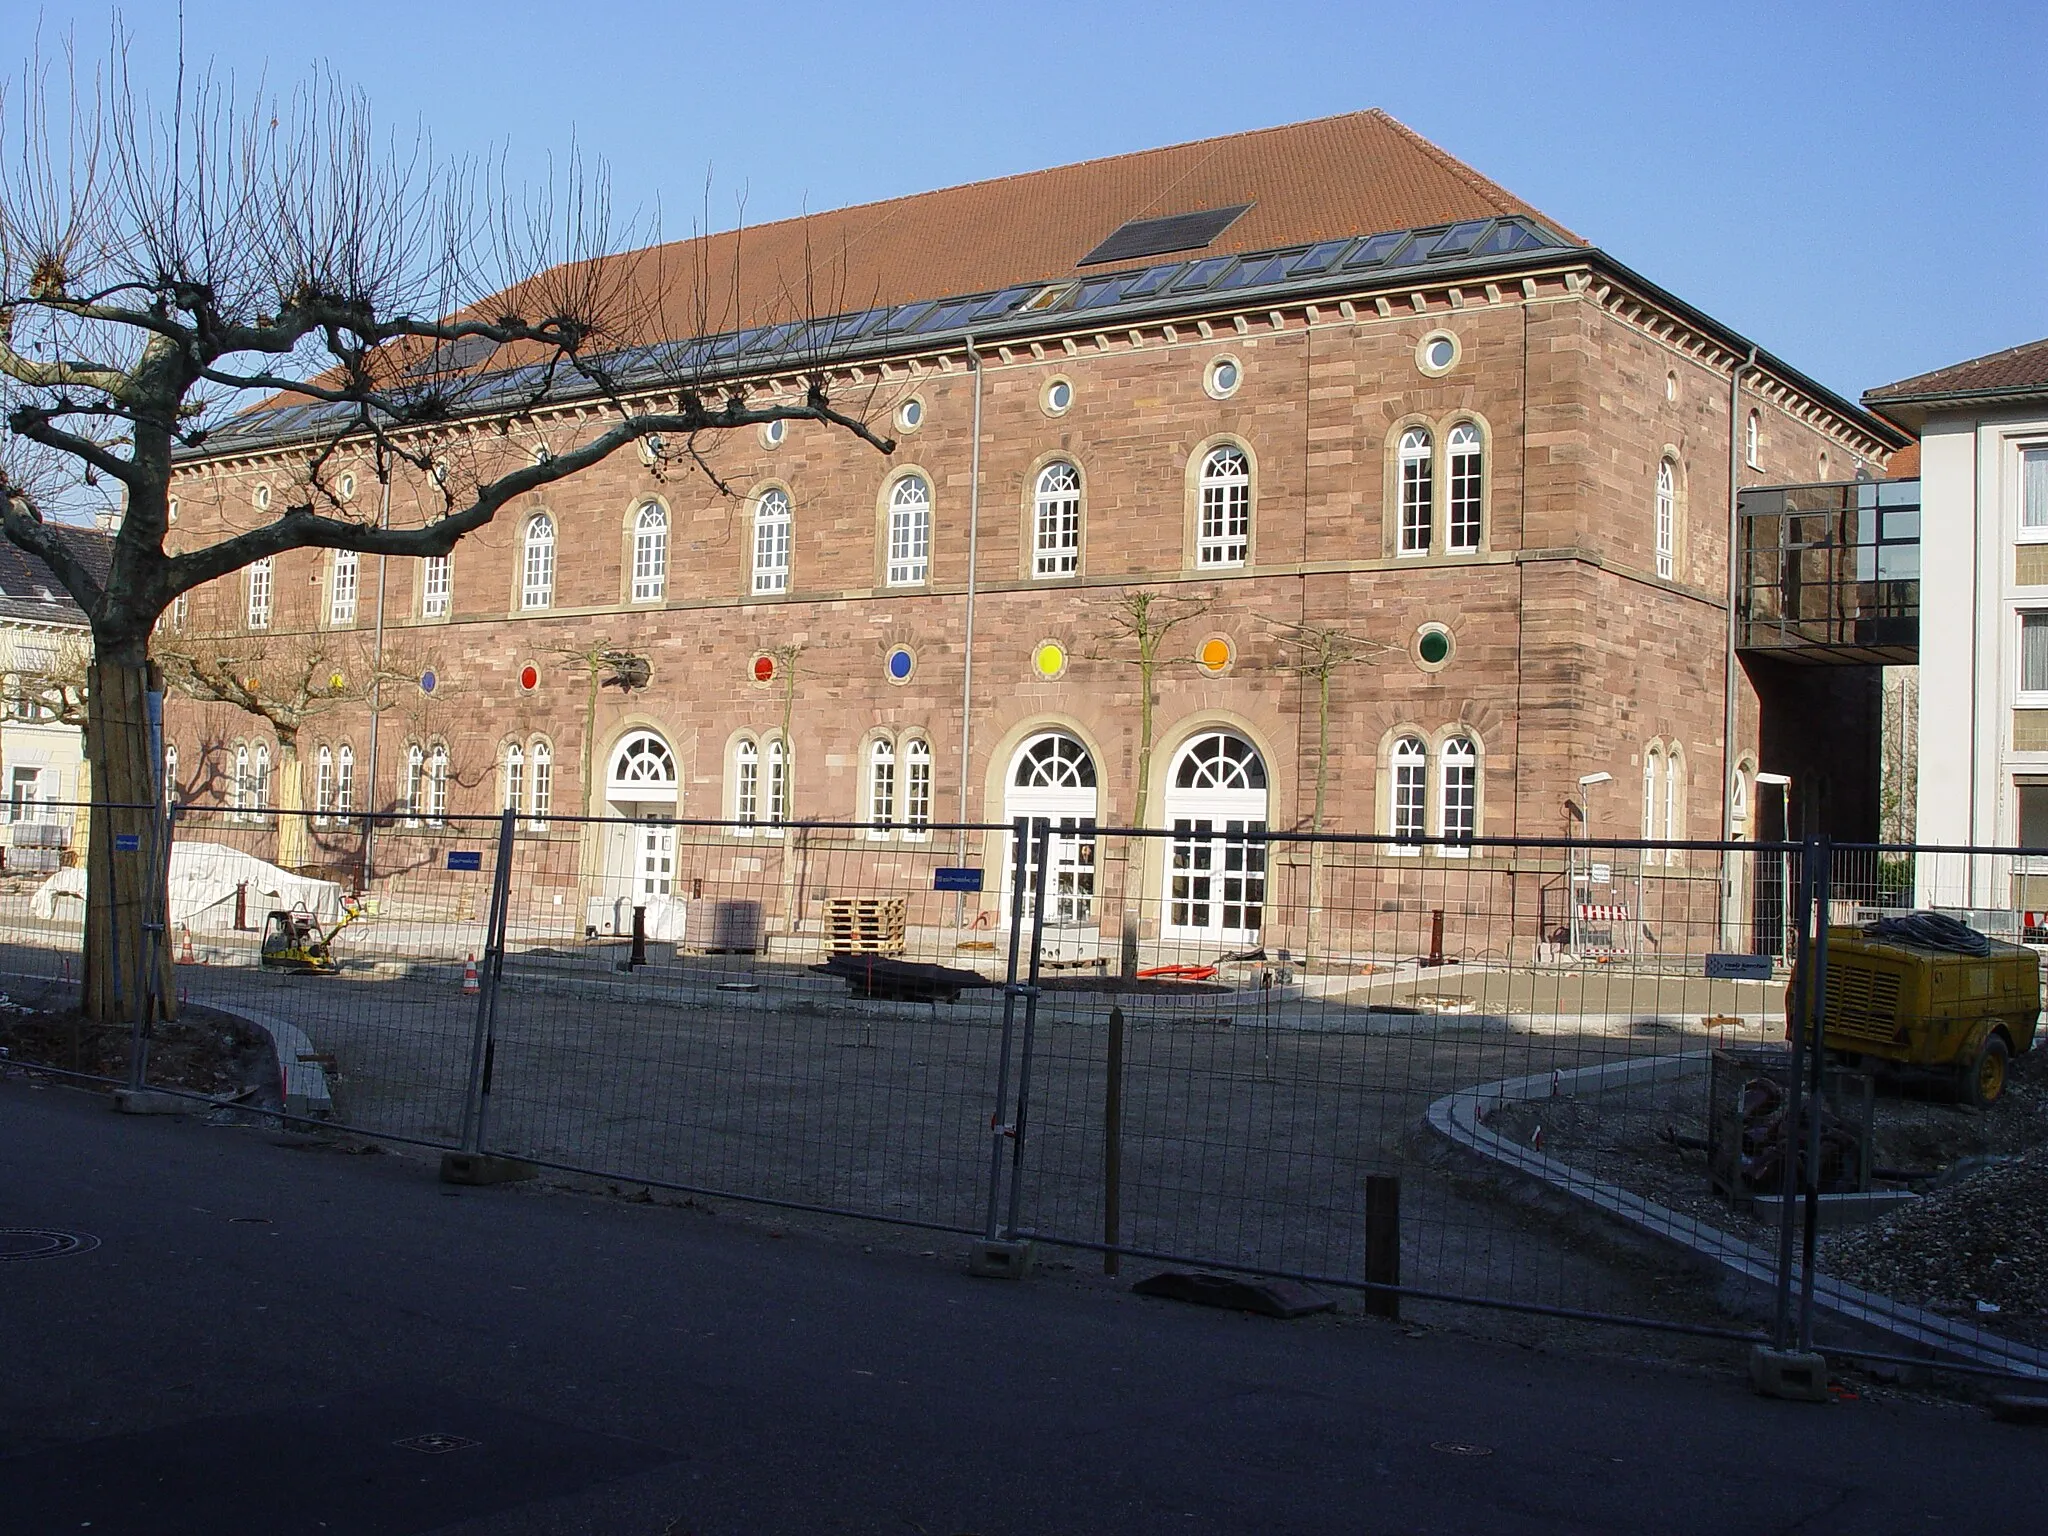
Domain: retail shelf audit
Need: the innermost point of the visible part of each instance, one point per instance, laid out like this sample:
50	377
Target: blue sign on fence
956	879
127	842
1739	967
459	858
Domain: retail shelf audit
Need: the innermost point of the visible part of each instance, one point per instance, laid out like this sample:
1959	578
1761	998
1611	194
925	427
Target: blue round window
428	680
901	664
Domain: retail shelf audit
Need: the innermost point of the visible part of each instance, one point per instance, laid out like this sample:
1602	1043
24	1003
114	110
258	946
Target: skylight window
1157	237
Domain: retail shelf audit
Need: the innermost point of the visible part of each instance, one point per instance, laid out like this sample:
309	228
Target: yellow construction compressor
1927	993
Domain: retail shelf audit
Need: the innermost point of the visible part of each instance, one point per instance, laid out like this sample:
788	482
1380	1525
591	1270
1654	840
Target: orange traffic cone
469	987
185	955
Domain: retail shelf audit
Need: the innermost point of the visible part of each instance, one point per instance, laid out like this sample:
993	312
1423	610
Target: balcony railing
1831	573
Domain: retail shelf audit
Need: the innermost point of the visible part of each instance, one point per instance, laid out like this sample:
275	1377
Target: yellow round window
1050	659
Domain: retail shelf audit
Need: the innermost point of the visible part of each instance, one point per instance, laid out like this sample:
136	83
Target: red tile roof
1360	173
2016	368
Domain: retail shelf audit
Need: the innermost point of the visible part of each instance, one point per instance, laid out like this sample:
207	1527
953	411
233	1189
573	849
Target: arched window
345	780
541	797
1667	518
515	778
437	586
341	593
259	593
779	763
1458	792
1653	788
1224	535
437	786
917	787
1418	491
415	777
910	532
1753	442
1410	765
772	525
746	784
1674	801
260	796
537	584
1056	521
881	787
1738	798
323	783
238	793
643	768
650	553
1465	501
1052	783
1216	808
171	773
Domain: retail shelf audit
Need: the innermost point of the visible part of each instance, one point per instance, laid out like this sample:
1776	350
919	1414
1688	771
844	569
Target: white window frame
881	786
1465	489
1667	519
344	779
650	553
1416	495
1408	795
780	760
540	787
1653	783
1056	521
1457	801
415	782
437	586
260	797
2023	696
238	788
917	789
437	786
1753	440
1674	799
260	591
513	780
2031	532
1223	526
170	773
746	786
537	567
341	587
774	527
323	783
910	532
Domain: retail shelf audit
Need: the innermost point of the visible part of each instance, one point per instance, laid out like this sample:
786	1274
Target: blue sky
1861	188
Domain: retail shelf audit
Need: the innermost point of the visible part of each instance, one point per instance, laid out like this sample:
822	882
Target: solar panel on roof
1157	237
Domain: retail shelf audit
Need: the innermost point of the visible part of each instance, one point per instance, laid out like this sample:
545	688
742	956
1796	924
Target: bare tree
165	266
1139	624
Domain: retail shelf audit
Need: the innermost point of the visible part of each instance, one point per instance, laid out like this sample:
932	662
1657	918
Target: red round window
529	677
764	669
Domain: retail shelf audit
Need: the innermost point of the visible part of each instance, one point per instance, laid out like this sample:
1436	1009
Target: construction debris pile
1975	1247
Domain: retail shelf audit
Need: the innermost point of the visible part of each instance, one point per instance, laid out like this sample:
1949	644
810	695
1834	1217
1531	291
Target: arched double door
1216	866
1052	783
642	786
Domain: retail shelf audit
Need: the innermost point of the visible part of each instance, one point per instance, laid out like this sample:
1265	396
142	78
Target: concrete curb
1457	1117
303	1081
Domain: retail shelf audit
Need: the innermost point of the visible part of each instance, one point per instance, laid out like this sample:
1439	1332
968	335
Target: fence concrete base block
1788	1373
996	1260
1837	1211
483	1168
2020	1410
154	1101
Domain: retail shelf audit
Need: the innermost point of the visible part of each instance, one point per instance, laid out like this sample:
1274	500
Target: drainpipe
1734	587
973	560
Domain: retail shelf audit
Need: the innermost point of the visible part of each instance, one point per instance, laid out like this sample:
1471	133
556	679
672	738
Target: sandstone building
1321	380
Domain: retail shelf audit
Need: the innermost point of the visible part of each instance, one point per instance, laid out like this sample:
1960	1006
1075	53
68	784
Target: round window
345	487
1214	655
901	662
1058	396
1224	377
1049	659
1433	646
650	448
910	414
1437	353
773	432
262	498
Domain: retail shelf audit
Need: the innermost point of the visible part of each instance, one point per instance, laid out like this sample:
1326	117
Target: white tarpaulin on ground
204	879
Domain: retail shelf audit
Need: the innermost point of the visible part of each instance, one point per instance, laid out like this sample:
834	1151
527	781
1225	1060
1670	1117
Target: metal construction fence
1550	1076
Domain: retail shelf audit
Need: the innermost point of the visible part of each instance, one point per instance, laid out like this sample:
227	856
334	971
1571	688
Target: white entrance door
657	860
1052	782
1216	869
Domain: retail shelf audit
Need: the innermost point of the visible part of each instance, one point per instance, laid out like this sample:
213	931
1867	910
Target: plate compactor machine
294	941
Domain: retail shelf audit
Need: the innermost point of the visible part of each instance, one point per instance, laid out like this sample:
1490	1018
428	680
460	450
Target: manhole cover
436	1445
41	1243
1458	1448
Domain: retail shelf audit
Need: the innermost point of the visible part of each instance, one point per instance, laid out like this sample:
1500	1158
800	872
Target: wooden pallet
865	925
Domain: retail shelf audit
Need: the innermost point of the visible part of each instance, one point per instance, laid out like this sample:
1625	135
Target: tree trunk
125	860
292	844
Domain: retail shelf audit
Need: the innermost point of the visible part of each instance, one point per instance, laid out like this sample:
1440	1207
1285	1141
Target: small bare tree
1138	625
164	265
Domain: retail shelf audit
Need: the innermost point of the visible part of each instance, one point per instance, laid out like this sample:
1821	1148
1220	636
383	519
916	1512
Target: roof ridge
1505	201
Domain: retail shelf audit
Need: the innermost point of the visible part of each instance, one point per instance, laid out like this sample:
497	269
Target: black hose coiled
1930	930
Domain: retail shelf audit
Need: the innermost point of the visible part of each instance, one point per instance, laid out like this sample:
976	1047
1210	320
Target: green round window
1435	647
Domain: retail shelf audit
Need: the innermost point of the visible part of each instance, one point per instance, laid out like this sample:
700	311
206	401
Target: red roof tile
2016	368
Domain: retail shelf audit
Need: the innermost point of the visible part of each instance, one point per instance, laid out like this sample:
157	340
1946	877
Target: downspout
376	682
1734	587
973	564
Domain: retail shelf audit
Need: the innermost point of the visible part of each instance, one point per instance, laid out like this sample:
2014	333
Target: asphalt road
259	1327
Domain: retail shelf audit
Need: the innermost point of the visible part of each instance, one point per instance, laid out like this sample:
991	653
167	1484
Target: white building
1983	748
43	637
